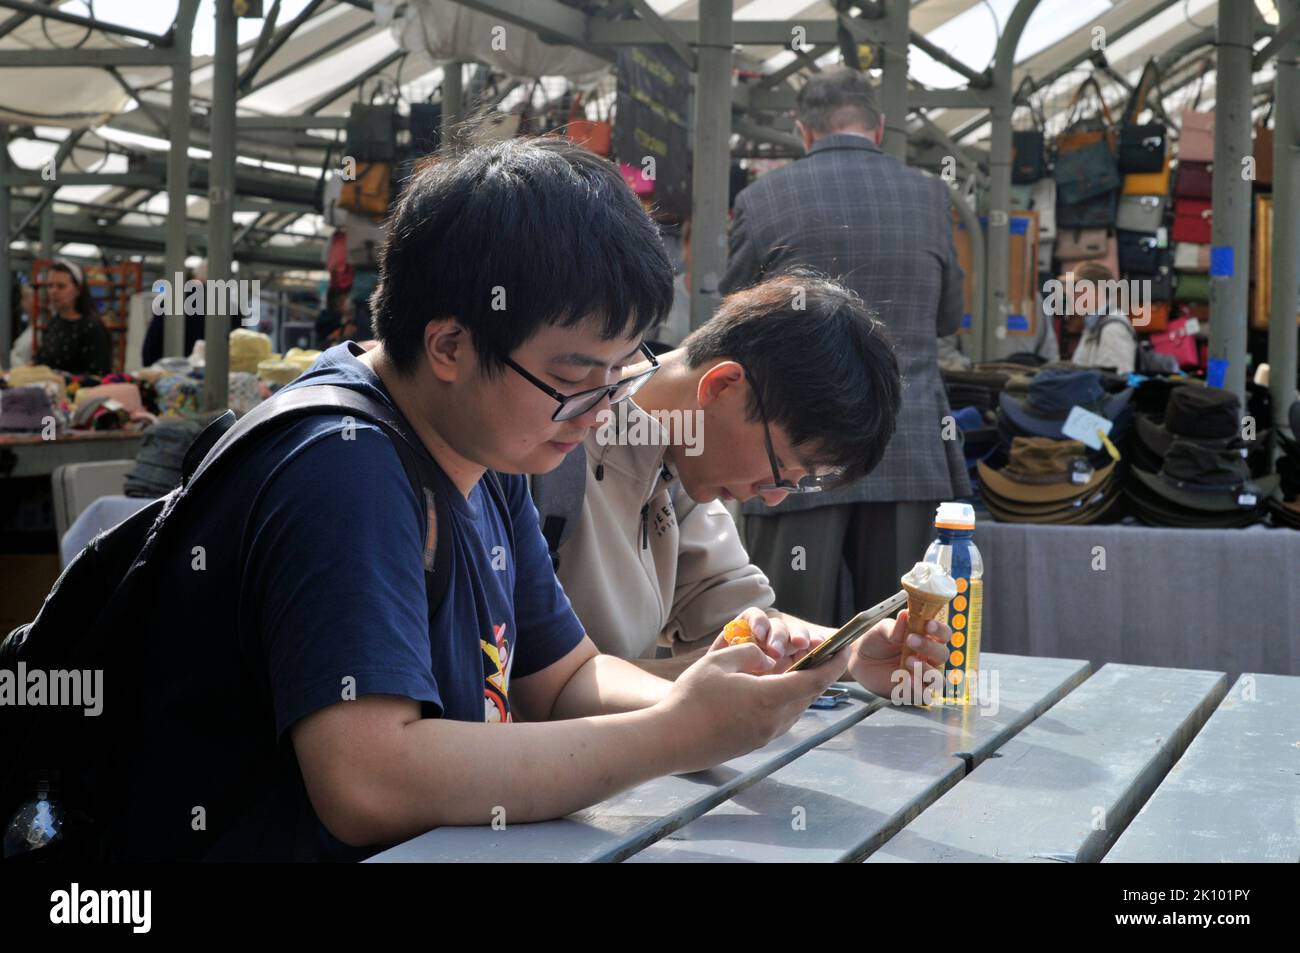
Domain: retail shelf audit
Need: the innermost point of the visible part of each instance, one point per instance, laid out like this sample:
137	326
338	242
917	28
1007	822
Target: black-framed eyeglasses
808	484
575	405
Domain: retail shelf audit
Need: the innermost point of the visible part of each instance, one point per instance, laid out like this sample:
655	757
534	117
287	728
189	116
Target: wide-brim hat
1182	487
1156	510
1042	412
1064	490
1091	507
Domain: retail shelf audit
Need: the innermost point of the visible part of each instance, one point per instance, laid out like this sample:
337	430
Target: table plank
24	455
623	824
1235	793
861	787
1068	785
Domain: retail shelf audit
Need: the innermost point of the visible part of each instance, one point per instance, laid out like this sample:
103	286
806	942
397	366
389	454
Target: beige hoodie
646	565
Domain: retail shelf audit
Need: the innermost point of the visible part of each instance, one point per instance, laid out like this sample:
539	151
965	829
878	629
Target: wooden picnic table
1130	763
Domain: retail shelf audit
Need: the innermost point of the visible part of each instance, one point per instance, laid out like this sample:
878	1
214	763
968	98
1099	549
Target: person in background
74	339
20	353
862	218
1108	337
151	351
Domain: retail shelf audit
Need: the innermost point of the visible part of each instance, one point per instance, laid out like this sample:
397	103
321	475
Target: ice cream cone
922	607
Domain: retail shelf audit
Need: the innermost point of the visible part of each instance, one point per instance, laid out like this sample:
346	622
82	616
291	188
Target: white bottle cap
959	515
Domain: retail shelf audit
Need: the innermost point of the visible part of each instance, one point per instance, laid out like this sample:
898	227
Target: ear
448	350
717	380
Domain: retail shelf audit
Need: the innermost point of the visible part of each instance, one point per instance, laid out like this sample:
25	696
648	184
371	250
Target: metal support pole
47	230
178	174
1229	279
893	80
1282	338
711	172
216	326
979	270
6	276
993	332
452	88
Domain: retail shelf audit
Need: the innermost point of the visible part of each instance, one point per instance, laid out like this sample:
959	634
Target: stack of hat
1286	510
159	461
1049	397
247	349
973	396
1191	466
1045	480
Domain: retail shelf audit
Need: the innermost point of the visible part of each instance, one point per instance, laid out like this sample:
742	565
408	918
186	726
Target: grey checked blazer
864	218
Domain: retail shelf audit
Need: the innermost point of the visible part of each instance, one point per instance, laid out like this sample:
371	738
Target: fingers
933	647
747	658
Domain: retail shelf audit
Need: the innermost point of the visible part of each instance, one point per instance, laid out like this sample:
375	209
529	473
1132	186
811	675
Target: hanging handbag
1156	317
1264	150
1043	201
1162	279
371	190
1195	180
1096	212
1196	130
1140	213
1142	147
1192	286
1080	243
1149	183
1191	256
372	132
365	238
593	134
1085	152
1192	221
1138	252
1176	342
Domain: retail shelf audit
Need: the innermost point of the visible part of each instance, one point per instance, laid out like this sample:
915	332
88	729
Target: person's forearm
670	668
444	772
607	685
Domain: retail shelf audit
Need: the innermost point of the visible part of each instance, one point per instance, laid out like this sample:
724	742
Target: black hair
833	100
823	365
514	236
85	304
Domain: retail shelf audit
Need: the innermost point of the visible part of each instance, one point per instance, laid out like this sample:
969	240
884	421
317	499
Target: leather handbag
1192	221
1138	252
365	238
1142	146
1196	138
1264	154
1096	212
1081	243
593	134
372	132
1195	180
1140	213
1192	286
1021	197
371	190
1108	259
1155	319
1176	342
1191	256
1149	183
1028	156
1162	279
1043	201
1081	132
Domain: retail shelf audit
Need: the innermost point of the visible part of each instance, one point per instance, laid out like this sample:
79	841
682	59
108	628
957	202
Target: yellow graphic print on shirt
496	666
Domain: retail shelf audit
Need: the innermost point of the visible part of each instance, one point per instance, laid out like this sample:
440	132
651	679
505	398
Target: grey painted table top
1055	764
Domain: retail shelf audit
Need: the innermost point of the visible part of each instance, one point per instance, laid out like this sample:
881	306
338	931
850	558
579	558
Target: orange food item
737	631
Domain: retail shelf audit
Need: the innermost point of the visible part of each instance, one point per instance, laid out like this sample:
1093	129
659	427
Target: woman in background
74	340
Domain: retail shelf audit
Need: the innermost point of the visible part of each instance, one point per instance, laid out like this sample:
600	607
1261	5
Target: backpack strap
558	496
1116	319
220	438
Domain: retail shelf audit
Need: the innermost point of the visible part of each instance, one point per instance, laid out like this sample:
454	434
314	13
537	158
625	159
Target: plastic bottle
955	551
37	823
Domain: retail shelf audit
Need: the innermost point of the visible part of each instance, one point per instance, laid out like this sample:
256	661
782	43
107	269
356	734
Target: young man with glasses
791	388
313	702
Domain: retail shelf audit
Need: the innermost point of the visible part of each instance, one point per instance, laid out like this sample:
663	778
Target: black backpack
86	621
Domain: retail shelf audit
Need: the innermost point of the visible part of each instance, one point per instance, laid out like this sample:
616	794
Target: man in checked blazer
865	219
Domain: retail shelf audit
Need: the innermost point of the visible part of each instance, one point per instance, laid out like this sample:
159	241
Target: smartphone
831	697
855	627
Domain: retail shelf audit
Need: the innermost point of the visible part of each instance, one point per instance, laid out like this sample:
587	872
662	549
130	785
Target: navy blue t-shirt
303	572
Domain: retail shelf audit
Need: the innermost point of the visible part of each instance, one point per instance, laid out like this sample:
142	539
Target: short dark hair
549	226
834	100
826	371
